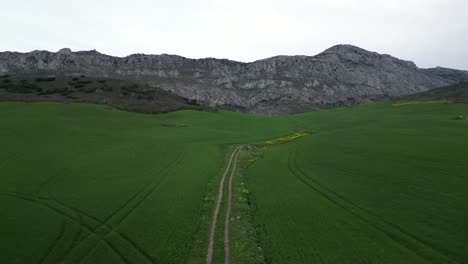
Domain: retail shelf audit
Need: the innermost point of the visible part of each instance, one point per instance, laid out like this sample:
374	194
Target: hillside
121	94
451	74
457	93
341	75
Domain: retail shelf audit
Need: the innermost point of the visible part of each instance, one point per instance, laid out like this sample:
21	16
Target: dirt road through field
227	246
209	256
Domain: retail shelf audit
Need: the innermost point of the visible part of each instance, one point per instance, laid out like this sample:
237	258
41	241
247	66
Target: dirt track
227	246
209	256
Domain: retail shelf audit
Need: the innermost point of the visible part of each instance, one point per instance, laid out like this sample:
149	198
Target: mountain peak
346	49
359	55
66	51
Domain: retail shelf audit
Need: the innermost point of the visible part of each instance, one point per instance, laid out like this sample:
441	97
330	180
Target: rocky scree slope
341	75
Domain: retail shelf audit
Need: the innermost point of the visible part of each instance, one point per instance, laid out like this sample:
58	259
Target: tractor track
392	231
126	209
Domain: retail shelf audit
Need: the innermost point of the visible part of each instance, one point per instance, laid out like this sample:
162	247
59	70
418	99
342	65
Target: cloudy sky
429	32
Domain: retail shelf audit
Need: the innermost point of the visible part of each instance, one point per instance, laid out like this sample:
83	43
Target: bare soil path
227	246
209	256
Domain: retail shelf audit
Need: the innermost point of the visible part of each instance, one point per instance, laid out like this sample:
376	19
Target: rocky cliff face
341	75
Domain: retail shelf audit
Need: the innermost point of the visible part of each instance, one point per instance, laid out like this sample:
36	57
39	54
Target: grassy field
87	183
368	184
374	184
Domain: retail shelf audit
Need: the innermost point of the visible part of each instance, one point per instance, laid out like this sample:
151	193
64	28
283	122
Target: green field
375	183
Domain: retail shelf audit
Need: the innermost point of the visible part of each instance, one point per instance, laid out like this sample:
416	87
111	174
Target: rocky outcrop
341	75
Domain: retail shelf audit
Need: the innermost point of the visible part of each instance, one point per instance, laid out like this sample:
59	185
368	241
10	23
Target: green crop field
375	183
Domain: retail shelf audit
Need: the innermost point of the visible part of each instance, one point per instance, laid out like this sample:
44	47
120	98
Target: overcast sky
429	32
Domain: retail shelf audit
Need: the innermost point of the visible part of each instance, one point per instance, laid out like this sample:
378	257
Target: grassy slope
456	93
374	183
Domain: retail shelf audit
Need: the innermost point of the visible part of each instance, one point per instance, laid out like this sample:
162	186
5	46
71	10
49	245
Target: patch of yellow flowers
286	139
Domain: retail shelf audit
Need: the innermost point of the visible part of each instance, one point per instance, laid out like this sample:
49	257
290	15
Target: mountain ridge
340	75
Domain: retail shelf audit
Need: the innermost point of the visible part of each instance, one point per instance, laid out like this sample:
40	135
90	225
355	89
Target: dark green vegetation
121	94
456	93
371	184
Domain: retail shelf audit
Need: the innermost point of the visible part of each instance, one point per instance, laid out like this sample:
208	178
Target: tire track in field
75	240
146	191
397	228
149	188
105	224
65	214
108	229
351	204
401	237
209	255
50	179
12	157
56	241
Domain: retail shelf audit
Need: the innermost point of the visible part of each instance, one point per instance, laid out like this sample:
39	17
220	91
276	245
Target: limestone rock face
341	75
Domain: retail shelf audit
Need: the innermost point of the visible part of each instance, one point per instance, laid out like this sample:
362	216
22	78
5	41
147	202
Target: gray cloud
429	32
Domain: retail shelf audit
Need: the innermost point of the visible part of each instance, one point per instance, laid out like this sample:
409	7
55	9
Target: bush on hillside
45	79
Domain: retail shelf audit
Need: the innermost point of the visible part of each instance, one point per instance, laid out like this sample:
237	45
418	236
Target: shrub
22	87
191	101
45	79
84	82
107	88
65	92
90	90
